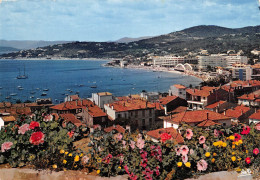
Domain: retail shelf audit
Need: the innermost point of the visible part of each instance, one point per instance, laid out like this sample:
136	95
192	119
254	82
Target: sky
109	20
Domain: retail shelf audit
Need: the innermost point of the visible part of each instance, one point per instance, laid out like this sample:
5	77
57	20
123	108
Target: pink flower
107	158
48	118
216	133
23	129
246	130
132	144
237	137
157	172
184	158
85	159
202	165
124	144
140	143
257	126
184	150
202	139
119	136
189	133
191	151
178	151
205	147
256	151
34	124
248	160
6	146
165	136
37	138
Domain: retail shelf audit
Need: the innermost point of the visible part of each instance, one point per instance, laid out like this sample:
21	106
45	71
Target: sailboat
22	76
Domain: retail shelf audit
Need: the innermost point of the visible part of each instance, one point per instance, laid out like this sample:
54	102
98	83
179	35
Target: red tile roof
8	118
55	115
252	96
179	86
179	109
167	99
207	123
214	105
118	128
175	135
130	104
70	118
158	106
255	115
91	108
204	91
195	116
5	104
237	111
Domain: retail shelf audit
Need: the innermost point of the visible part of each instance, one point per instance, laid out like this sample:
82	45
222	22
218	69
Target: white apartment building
178	90
102	98
167	61
234	59
241	71
213	60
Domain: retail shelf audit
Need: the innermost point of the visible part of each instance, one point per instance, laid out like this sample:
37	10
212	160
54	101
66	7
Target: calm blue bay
63	77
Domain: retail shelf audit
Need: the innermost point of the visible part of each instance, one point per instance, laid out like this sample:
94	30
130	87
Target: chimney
224	112
241	112
112	107
207	116
146	104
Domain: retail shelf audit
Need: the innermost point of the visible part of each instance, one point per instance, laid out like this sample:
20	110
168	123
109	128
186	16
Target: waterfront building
252	99
168	61
241	71
201	118
255	72
178	90
155	135
214	60
150	96
102	98
235	59
138	113
72	98
199	98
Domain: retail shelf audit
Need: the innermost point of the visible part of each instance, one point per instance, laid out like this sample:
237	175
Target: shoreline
63	59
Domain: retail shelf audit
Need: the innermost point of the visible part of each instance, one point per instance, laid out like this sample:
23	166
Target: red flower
37	138
256	151
248	160
237	137
165	137
246	130
34	124
71	133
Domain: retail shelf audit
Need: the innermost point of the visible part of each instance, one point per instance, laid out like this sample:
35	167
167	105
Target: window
143	112
136	113
150	121
119	115
224	124
143	122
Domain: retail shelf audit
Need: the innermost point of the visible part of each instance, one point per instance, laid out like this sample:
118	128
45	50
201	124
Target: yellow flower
224	144
179	164
70	154
238	169
231	137
240	141
119	167
214	154
220	143
76	158
233	158
207	154
75	166
81	154
213	160
64	161
215	144
66	152
187	164
239	159
233	146
98	160
54	166
62	151
247	151
98	171
233	153
64	169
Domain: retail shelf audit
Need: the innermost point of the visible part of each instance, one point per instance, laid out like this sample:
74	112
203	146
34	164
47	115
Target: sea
59	78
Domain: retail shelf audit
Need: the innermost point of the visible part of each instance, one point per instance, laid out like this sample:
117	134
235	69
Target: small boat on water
8	97
22	76
46	89
81	85
44	94
32	92
94	86
13	94
20	88
31	97
1	87
77	92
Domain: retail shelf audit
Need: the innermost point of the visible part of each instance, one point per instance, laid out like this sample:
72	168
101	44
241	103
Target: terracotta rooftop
104	94
173	132
8	118
167	99
70	118
179	86
216	104
118	128
255	115
179	109
252	96
204	91
195	116
55	115
5	104
237	111
158	106
207	123
133	96
130	104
